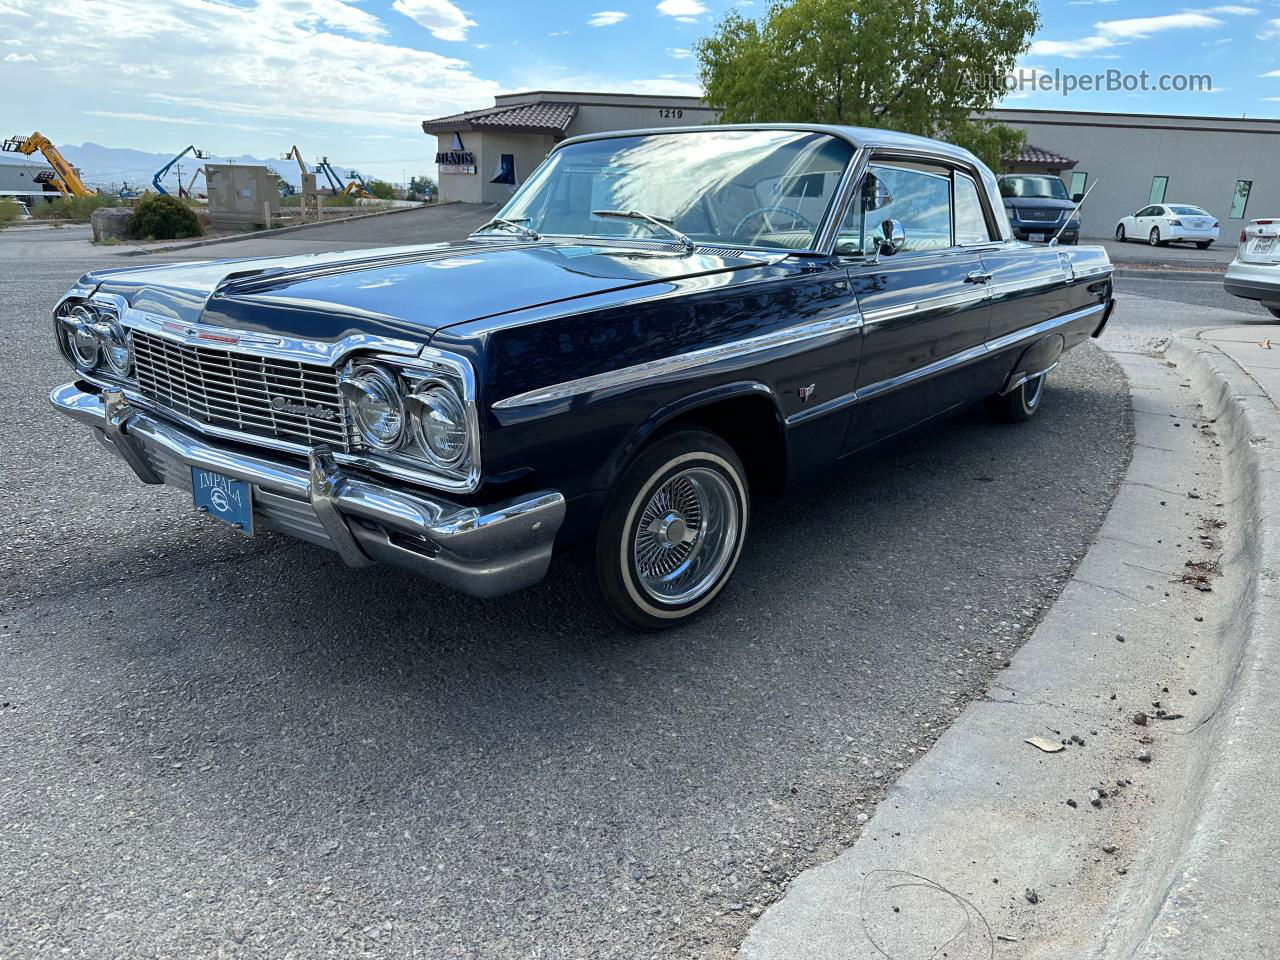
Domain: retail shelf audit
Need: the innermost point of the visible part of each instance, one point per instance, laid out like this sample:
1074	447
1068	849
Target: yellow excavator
67	180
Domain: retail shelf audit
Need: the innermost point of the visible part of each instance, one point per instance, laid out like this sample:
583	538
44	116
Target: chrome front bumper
483	551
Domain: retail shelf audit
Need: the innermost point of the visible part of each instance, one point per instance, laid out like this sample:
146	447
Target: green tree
919	66
421	187
382	190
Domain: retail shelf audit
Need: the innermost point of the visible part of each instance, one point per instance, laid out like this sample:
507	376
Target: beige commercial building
1227	166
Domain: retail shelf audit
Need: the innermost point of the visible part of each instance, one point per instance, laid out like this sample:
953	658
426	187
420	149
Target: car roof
856	136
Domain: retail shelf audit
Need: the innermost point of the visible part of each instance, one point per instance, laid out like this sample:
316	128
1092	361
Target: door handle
978	277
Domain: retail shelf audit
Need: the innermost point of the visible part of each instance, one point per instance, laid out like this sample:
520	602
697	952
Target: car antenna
1054	241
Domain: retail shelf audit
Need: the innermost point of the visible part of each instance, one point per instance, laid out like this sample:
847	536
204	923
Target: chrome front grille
256	396
1039	213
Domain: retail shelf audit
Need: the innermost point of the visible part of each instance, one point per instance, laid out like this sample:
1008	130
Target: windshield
1038	188
1188	211
740	188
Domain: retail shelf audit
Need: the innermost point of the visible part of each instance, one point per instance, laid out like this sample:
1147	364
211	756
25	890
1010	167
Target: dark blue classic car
657	325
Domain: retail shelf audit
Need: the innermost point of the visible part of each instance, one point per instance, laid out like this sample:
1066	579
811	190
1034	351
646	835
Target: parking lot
218	745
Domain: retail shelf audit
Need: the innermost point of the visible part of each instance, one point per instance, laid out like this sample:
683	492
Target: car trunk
1260	242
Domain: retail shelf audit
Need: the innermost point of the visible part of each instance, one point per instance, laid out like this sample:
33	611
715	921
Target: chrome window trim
636	373
967	355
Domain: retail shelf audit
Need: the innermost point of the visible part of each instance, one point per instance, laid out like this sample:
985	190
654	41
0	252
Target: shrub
9	211
72	208
161	217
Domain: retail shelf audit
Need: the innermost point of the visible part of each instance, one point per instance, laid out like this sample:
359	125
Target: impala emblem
310	411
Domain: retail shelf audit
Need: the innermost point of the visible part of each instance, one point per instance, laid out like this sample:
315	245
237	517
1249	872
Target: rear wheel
1203	244
1120	233
1154	238
1275	311
673	530
1020	403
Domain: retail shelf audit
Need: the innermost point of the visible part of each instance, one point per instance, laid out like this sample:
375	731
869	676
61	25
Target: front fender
613	466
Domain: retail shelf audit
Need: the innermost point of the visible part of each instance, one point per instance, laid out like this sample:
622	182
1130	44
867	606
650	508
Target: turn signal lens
376	404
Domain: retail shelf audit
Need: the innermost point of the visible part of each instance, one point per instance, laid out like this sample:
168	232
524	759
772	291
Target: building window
1078	181
1158	186
1241	199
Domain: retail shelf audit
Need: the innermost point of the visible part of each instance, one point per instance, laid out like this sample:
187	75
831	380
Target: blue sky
351	79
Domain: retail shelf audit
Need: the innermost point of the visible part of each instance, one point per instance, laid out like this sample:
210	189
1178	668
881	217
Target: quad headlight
95	337
377	405
416	414
440	422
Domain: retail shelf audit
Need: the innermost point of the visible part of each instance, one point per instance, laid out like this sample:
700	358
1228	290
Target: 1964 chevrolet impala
656	324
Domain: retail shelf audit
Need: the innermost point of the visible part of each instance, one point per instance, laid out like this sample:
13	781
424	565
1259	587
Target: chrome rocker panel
483	551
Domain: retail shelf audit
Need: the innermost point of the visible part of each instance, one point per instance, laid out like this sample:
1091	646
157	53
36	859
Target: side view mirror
1077	198
875	194
894	238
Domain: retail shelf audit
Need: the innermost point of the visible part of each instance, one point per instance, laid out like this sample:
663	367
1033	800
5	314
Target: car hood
400	291
1040	203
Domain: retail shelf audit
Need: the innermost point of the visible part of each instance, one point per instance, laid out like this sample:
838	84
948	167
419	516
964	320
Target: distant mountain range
112	167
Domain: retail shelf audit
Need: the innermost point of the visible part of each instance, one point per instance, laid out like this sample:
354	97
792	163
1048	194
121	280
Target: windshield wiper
660	222
515	225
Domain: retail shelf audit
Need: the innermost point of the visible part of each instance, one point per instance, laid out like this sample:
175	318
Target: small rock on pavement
1031	895
1140	718
1071	804
1095	798
1144	756
1109	848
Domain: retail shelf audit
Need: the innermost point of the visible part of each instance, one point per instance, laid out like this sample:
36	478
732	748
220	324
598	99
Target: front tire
673	530
1022	402
1154	238
1120	233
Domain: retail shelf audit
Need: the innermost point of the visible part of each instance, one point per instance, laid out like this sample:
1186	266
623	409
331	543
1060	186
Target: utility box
242	195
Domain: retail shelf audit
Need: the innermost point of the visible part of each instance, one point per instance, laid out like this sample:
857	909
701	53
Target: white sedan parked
1164	223
1255	272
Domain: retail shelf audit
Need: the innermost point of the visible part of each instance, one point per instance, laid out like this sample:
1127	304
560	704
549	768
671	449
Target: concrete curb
274	232
1214	900
943	862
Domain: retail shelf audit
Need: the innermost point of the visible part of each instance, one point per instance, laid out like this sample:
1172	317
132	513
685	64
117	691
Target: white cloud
1270	73
1273	32
19	58
559	33
606	18
679	53
681	8
1115	33
311	64
442	18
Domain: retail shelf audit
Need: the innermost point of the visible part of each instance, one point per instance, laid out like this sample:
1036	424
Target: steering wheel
763	212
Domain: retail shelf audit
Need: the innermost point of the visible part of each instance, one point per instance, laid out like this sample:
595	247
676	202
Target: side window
971	223
916	195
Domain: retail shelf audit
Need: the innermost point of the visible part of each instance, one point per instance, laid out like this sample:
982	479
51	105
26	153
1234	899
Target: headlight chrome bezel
94	340
435	397
434	373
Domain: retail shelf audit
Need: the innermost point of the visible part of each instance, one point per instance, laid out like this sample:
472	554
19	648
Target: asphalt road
217	746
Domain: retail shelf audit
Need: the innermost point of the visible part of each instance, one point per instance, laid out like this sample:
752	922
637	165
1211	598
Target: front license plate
1035	237
1264	244
231	501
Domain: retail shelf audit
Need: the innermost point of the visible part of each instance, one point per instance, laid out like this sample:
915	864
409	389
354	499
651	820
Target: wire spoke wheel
686	535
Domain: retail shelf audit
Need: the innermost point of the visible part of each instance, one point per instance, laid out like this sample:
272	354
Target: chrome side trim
627	376
919	306
1028	376
946	363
